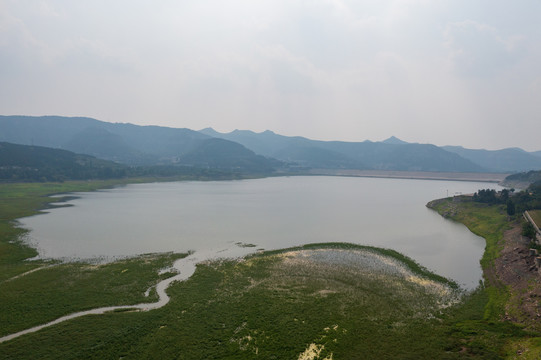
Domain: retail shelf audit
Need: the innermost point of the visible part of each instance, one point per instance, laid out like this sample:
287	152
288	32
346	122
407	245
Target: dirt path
28	272
515	268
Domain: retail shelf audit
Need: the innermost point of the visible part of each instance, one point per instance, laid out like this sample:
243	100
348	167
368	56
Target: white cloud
342	69
479	50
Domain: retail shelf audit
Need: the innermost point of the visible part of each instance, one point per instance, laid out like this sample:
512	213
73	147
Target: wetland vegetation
312	302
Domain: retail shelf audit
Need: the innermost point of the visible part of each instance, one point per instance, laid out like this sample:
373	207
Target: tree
511	207
504	196
485	196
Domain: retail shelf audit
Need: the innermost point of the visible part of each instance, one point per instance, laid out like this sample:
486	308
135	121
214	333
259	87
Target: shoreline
415	175
161	287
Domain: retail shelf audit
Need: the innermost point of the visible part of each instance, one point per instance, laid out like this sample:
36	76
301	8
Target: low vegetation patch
47	294
318	303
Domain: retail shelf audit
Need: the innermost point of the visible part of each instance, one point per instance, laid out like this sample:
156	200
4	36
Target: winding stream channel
185	268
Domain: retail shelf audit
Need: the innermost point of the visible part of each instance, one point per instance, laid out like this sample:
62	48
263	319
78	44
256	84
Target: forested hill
522	180
27	163
37	163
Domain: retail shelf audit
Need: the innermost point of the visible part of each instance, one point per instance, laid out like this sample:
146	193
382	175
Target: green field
536	216
315	302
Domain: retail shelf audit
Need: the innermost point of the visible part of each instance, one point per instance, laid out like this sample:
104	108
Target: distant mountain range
505	160
390	154
132	144
250	152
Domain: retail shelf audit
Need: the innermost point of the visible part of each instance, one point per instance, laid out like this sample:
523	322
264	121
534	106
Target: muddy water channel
233	218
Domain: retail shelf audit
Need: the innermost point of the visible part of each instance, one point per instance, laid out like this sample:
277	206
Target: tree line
515	202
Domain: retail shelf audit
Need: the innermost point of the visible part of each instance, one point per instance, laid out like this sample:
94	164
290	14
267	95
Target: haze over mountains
390	154
248	151
131	144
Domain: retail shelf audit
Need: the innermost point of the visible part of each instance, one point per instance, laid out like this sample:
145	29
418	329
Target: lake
220	218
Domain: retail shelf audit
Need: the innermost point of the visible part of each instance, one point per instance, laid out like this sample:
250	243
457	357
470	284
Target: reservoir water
223	217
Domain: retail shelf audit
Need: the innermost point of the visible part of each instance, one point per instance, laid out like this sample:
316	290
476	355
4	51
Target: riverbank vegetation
323	301
492	221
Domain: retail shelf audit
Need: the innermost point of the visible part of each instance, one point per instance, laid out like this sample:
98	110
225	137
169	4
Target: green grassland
536	216
273	305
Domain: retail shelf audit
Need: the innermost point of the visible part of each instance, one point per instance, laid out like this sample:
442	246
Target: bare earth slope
516	269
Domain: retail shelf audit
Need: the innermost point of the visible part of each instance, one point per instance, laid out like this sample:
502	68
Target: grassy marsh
293	303
55	291
278	305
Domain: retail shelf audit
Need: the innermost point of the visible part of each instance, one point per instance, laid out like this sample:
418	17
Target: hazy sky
444	72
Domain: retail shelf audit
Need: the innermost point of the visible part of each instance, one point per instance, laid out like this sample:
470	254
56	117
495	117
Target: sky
457	72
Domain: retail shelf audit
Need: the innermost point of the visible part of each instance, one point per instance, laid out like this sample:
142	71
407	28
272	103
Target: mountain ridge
383	155
124	143
147	145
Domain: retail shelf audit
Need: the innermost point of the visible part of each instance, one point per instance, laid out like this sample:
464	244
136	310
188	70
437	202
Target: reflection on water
270	213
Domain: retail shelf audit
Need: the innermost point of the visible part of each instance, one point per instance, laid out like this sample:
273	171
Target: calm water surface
214	218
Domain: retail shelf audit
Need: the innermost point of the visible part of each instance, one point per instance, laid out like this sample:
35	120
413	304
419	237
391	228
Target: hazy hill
156	145
227	155
317	157
505	160
127	143
423	157
393	154
49	131
390	154
99	142
522	180
394	140
36	163
266	143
